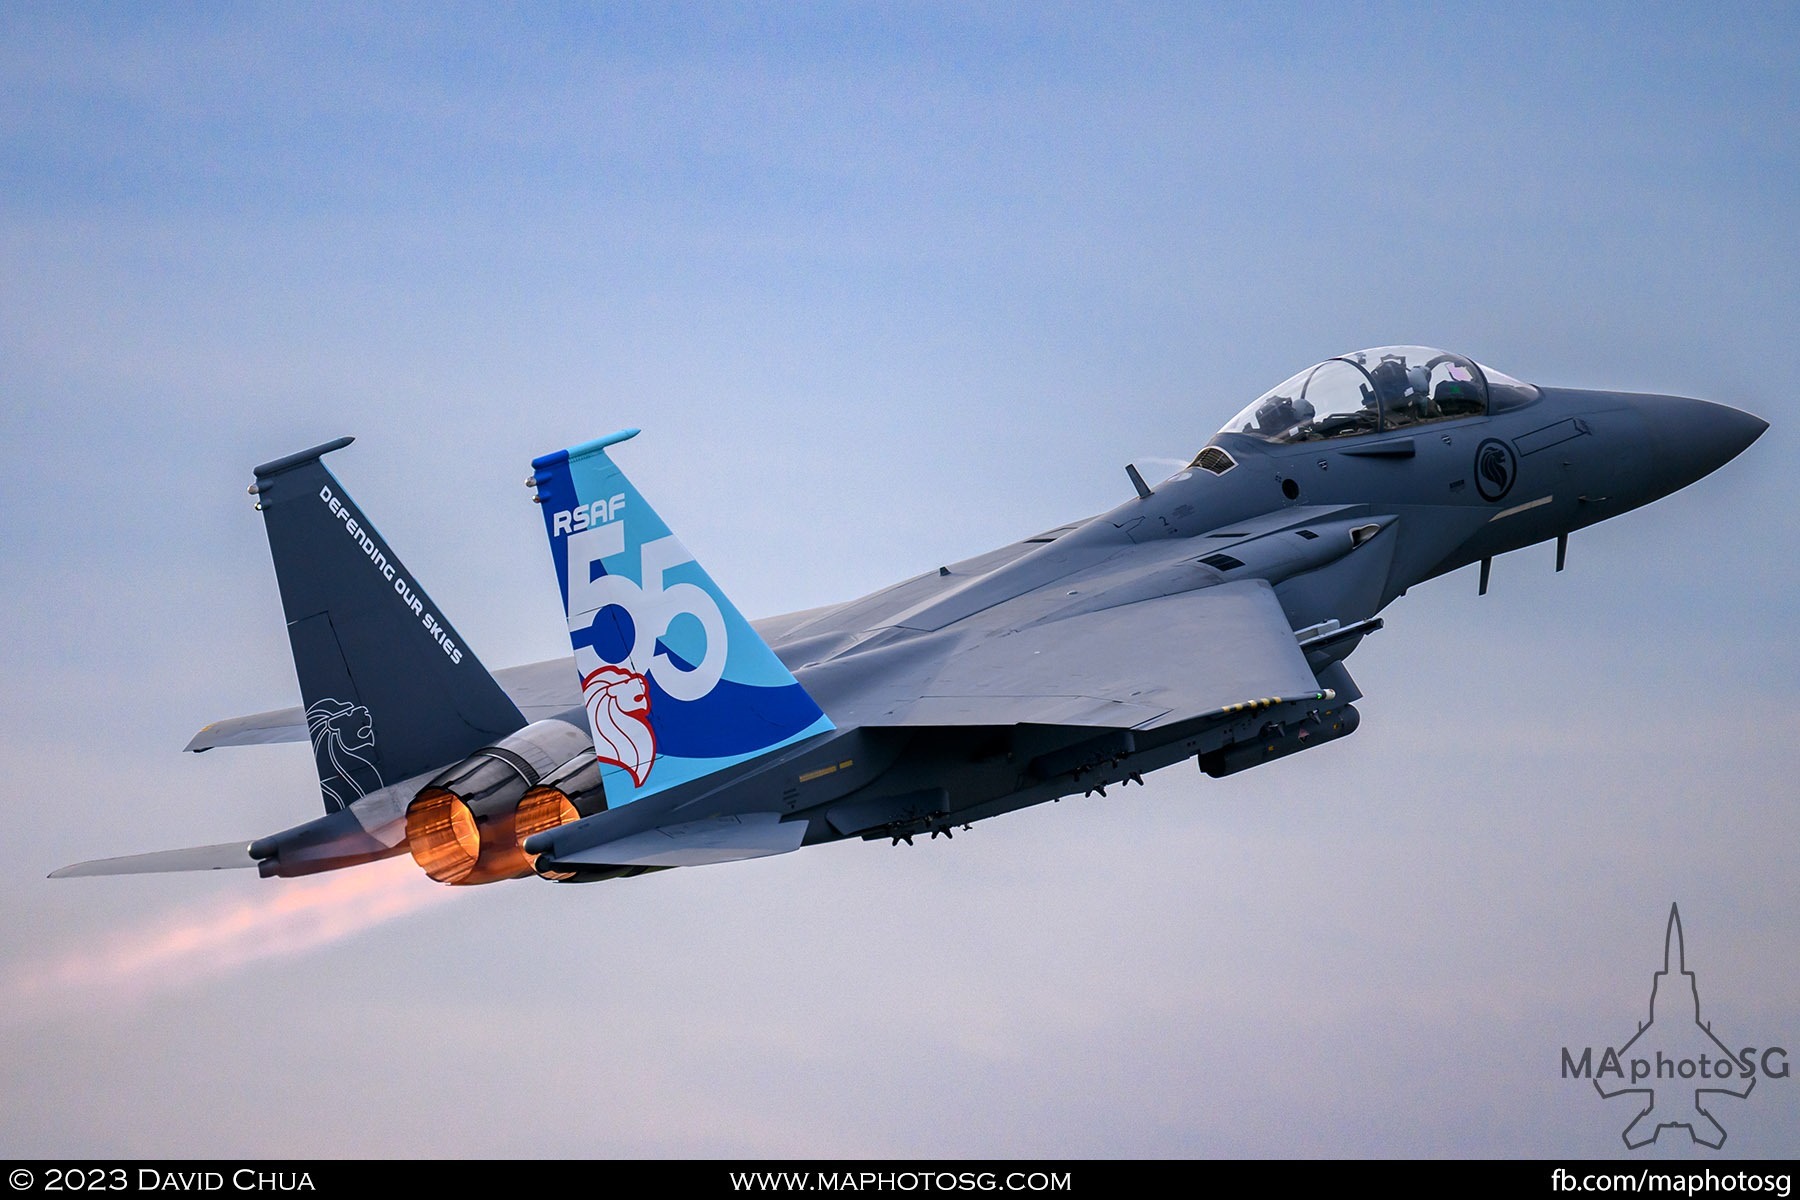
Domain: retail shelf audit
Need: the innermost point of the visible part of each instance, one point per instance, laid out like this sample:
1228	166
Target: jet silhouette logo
1674	1061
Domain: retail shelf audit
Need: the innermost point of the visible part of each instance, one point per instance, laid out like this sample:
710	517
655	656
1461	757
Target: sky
886	286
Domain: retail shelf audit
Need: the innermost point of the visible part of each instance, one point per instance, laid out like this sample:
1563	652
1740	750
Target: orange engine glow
544	808
441	833
454	846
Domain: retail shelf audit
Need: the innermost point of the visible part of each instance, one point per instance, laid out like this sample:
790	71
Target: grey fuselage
1428	498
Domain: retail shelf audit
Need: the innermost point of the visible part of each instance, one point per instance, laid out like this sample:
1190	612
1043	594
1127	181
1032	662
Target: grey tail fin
390	689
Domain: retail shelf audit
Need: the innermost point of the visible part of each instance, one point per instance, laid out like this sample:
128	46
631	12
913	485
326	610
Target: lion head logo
618	704
341	731
1496	468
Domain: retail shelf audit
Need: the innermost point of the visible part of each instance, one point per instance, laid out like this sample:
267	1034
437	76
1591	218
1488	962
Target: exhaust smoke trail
177	948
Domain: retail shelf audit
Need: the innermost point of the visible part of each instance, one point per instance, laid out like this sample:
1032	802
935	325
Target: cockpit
1373	391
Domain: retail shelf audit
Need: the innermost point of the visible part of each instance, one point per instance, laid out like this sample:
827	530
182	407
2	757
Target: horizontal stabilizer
694	843
540	690
225	856
257	729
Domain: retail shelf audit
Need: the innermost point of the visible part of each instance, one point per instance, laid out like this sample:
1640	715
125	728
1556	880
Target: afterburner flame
543	808
453	845
441	833
184	946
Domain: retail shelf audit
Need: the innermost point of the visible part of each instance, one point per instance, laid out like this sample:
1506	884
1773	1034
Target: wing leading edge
1137	666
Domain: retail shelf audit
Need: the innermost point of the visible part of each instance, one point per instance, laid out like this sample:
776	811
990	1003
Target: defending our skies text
403	587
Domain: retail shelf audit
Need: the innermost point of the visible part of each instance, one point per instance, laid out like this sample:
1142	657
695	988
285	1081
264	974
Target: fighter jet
1206	618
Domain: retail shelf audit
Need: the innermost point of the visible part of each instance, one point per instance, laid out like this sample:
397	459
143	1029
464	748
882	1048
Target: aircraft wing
1134	666
1206	652
224	856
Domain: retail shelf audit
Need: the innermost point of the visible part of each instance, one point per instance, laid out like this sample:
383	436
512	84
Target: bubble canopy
1371	391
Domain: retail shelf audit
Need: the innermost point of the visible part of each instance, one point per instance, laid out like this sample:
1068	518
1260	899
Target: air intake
1215	460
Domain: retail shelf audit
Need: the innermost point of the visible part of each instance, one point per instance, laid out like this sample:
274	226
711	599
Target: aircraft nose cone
1691	439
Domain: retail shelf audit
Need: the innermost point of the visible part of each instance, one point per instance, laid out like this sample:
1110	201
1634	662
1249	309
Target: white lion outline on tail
339	729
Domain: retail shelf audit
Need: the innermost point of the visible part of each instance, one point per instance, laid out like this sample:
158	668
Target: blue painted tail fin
676	683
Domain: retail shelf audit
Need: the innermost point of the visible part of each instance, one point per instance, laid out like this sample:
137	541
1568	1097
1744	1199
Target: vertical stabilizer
389	688
676	683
